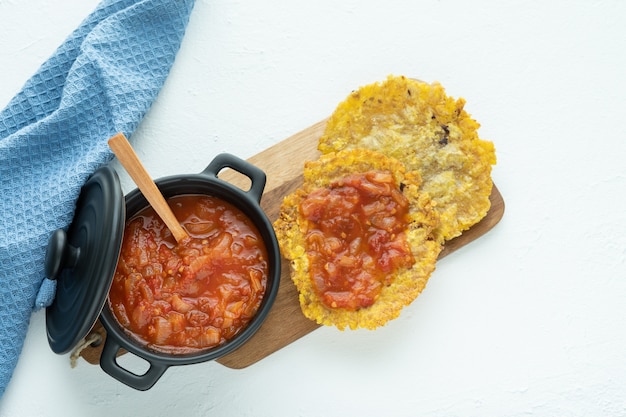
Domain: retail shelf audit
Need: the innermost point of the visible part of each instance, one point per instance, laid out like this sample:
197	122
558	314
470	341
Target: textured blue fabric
53	135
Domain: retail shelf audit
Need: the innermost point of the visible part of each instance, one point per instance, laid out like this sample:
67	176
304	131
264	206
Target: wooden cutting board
283	163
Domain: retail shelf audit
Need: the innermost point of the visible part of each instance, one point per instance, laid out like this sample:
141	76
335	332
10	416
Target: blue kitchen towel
53	135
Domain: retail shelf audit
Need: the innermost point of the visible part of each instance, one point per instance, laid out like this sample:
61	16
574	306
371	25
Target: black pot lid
83	260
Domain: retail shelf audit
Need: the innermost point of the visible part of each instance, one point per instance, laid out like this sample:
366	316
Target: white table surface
528	320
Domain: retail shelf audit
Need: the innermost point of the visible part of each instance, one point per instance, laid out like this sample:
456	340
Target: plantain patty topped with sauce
429	132
359	236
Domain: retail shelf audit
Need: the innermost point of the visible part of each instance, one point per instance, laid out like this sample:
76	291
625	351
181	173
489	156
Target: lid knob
59	254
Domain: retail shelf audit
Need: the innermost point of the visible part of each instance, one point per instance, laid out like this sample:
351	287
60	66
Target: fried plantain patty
406	285
418	124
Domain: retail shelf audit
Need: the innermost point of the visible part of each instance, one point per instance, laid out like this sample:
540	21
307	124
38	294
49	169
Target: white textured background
529	320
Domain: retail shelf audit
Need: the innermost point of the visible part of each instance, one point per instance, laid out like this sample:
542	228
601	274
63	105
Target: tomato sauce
356	238
180	298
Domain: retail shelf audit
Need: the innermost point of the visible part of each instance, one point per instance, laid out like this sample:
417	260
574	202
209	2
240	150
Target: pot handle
109	364
256	175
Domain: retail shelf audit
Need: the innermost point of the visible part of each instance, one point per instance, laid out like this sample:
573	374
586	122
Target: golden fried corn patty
302	222
418	124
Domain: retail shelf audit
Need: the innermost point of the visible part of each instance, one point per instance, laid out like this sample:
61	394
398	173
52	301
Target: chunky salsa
179	298
356	238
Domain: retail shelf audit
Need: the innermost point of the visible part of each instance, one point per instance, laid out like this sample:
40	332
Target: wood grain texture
285	323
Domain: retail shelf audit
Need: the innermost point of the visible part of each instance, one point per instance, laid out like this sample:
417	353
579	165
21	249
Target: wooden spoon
131	163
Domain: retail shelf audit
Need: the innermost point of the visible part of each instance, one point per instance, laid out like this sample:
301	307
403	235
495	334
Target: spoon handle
131	163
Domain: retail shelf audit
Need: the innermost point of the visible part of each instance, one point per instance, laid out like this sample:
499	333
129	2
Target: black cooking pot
64	263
